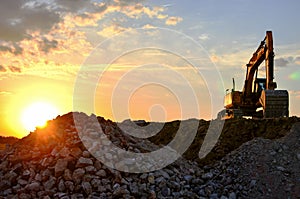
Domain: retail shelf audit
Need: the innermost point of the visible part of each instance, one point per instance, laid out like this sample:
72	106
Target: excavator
258	99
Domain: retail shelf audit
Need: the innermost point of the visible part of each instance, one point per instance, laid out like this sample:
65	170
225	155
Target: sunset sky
153	60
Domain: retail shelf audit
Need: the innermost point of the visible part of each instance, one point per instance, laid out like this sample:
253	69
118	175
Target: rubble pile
54	162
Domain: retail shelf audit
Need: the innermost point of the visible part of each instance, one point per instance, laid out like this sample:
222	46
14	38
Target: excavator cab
260	85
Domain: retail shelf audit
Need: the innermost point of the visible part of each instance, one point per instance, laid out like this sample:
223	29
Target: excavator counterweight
258	99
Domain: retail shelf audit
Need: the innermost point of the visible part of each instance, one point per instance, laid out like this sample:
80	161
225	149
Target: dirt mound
54	162
234	134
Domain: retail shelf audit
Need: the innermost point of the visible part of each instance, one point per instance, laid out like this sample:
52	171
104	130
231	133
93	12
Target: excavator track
275	103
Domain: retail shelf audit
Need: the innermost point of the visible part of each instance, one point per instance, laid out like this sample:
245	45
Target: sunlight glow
37	115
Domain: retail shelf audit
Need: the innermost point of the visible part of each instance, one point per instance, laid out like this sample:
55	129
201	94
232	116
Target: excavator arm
263	53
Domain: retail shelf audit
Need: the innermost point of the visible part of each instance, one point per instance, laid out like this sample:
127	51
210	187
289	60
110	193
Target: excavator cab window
260	85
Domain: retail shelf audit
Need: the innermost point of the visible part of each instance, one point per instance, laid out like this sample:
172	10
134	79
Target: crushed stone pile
54	162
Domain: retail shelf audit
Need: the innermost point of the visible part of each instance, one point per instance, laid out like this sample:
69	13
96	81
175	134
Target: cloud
204	37
110	31
297	60
148	26
295	93
39	33
2	68
14	69
172	21
281	62
18	16
5	93
13	48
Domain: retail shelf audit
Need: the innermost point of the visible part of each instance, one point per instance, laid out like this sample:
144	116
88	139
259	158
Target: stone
48	185
78	174
280	168
232	195
64	152
87	187
298	156
165	191
76	152
151	179
11	176
207	176
86	154
101	173
22	182
83	162
67	175
134	189
69	186
38	177
164	174
252	183
60	166
90	169
95	182
34	186
46	174
61	186
26	174
223	197
188	178
119	192
213	196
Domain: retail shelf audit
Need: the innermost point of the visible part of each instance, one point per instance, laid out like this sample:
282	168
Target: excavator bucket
275	103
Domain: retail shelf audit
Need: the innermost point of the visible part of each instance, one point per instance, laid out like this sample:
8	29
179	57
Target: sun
37	115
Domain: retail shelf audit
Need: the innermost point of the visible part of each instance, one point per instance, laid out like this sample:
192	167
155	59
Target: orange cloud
109	31
172	21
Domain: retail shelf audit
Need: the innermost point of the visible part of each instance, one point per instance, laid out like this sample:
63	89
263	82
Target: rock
65	169
69	186
213	196
90	169
83	162
223	197
86	154
207	176
101	173
48	185
60	166
119	192
151	179
78	174
11	176
61	186
87	187
298	156
38	177
165	191
280	168
64	152
163	174
188	178
22	182
26	174
232	195
134	189
34	186
76	152
67	175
